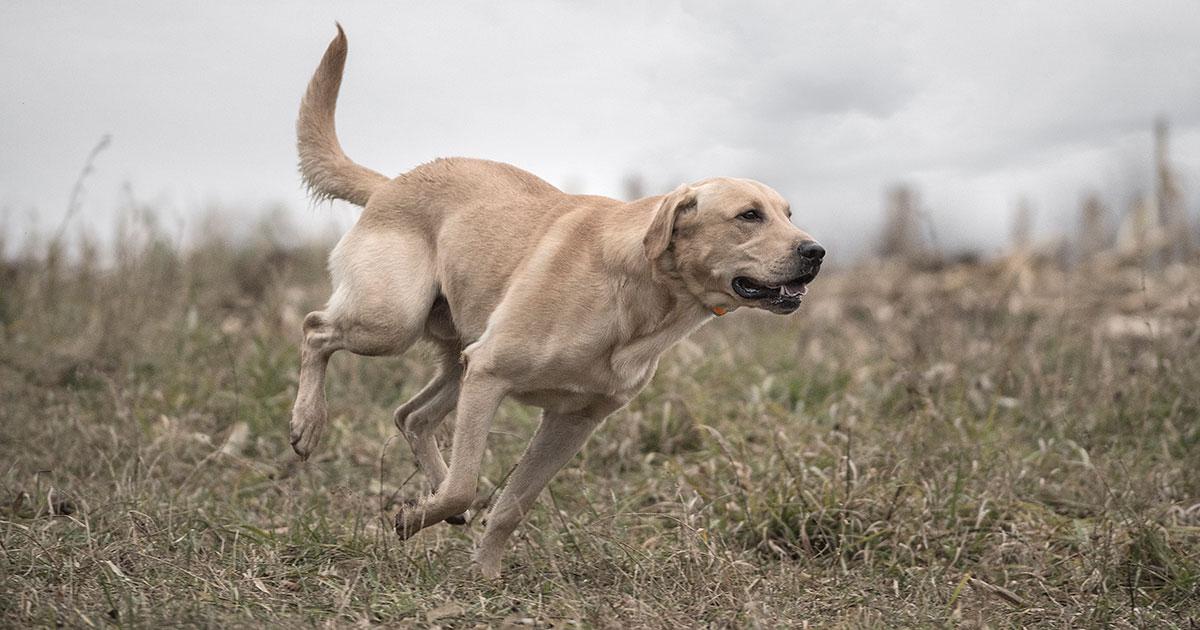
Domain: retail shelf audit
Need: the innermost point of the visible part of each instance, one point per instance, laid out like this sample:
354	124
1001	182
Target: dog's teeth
790	291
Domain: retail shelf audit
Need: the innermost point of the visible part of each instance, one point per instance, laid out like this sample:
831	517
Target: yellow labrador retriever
564	302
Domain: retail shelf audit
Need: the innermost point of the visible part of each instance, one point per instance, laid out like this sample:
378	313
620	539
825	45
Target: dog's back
481	218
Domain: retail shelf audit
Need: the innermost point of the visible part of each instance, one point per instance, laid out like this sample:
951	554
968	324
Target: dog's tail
326	170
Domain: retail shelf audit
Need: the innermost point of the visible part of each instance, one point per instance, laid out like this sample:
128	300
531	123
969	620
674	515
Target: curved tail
326	170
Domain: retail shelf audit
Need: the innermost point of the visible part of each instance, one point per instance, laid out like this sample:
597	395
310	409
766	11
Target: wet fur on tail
327	172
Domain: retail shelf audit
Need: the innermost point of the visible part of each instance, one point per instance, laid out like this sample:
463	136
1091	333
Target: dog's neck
659	277
660	309
660	312
665	272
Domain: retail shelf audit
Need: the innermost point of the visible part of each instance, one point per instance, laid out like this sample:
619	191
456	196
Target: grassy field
998	444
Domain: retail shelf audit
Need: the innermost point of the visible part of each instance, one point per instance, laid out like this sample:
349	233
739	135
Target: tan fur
327	171
561	301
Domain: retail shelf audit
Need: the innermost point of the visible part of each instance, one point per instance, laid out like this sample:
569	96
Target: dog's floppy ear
658	236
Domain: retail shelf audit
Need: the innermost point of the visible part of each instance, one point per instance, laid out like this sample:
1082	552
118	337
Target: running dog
564	302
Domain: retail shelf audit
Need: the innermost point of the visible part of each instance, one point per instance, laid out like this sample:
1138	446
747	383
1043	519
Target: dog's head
732	243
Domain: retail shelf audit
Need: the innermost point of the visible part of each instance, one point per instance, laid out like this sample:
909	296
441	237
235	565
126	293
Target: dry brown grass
983	445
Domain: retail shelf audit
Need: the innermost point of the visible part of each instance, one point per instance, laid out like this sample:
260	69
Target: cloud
977	104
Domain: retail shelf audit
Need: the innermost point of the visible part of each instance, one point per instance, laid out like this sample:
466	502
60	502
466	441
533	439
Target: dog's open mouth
784	296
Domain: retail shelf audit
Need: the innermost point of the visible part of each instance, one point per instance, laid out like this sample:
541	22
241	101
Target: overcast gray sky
977	104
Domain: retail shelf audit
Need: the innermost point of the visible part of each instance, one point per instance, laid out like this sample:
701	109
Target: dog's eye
750	215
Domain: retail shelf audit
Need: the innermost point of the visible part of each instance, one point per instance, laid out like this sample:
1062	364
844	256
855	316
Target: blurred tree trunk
1172	217
901	236
1093	228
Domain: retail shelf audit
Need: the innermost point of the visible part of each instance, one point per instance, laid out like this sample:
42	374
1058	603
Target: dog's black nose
811	250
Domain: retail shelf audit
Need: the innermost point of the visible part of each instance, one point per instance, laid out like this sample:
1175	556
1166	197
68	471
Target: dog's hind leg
384	285
480	396
418	418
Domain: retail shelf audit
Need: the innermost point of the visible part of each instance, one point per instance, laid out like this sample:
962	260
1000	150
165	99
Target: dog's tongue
794	289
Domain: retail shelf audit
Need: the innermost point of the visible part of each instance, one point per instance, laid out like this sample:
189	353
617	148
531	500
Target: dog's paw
306	427
488	564
416	515
410	519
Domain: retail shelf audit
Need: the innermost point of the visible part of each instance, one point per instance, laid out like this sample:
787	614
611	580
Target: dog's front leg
558	439
477	402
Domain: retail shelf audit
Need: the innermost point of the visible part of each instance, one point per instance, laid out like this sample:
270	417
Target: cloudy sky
976	104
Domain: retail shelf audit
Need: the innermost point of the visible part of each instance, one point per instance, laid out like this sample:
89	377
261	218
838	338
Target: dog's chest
633	362
579	377
561	353
620	370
